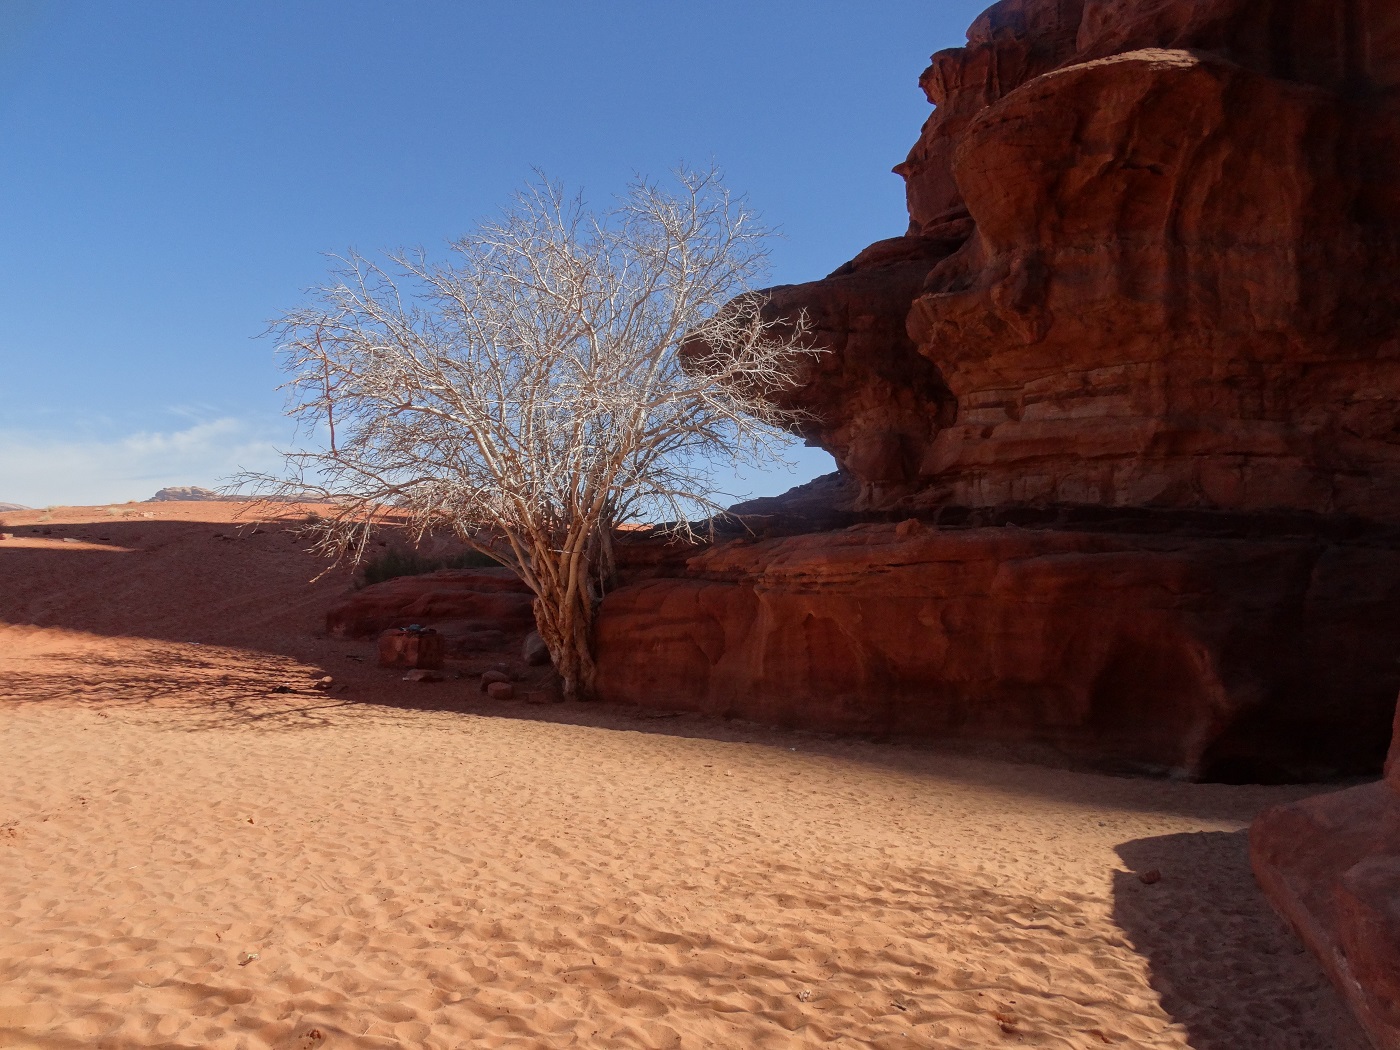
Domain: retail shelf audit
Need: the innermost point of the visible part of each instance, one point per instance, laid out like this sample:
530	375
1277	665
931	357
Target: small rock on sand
500	691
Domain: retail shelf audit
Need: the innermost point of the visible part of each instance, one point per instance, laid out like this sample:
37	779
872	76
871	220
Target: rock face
1149	272
474	610
1148	264
1331	866
1217	658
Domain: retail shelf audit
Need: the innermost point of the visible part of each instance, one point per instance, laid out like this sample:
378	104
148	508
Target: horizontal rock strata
1148	264
1209	657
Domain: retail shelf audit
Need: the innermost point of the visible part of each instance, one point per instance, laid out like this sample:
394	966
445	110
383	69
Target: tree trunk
565	622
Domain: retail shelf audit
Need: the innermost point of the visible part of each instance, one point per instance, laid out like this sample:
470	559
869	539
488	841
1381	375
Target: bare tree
565	372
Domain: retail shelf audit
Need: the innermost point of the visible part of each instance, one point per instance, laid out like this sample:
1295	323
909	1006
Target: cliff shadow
1226	967
242	582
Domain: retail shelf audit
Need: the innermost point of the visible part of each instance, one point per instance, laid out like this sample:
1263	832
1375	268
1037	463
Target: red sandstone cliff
1150	260
1216	657
1144	310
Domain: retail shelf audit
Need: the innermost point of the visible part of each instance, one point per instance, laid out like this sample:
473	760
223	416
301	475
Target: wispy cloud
42	469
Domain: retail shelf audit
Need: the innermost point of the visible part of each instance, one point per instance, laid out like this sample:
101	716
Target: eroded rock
474	610
1226	658
1149	263
533	650
1147	281
1331	866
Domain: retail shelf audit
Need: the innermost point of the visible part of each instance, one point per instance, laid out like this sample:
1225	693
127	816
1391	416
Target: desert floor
188	859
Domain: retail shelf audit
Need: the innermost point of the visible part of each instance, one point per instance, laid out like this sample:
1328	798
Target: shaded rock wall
475	610
1221	658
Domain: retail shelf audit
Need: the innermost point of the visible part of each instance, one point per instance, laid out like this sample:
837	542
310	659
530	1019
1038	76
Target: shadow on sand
1200	934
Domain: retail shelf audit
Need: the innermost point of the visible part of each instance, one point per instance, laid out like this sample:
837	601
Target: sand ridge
191	859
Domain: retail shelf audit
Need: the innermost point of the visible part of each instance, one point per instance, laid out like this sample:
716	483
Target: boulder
419	648
474	610
490	678
1330	865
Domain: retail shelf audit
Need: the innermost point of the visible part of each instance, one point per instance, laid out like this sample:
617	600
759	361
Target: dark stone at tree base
533	650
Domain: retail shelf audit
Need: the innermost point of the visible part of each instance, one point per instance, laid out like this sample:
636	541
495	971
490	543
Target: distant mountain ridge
198	494
188	494
14	506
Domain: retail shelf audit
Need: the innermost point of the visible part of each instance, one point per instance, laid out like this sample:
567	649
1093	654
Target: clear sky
172	170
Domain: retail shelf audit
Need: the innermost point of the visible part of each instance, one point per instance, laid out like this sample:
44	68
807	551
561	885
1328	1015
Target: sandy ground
189	859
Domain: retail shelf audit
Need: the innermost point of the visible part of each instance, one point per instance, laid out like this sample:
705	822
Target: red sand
189	859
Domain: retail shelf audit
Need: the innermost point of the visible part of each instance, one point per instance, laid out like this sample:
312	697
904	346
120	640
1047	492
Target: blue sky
172	172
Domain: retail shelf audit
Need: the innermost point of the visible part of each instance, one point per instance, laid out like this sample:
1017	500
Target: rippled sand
189	859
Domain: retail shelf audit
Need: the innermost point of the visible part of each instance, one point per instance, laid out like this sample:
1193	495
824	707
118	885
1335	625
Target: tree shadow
181	688
1226	967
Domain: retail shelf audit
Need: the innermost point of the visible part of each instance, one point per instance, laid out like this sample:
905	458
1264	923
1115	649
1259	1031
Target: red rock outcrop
1331	866
1150	250
475	610
1221	658
1149	270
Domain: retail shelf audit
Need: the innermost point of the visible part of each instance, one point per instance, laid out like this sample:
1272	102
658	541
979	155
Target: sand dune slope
189	859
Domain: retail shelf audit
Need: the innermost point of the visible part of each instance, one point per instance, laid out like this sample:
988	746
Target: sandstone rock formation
1145	312
475	610
1223	658
421	649
1149	263
1331	866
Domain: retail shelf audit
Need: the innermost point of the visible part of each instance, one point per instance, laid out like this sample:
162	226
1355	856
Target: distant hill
188	494
196	494
13	506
